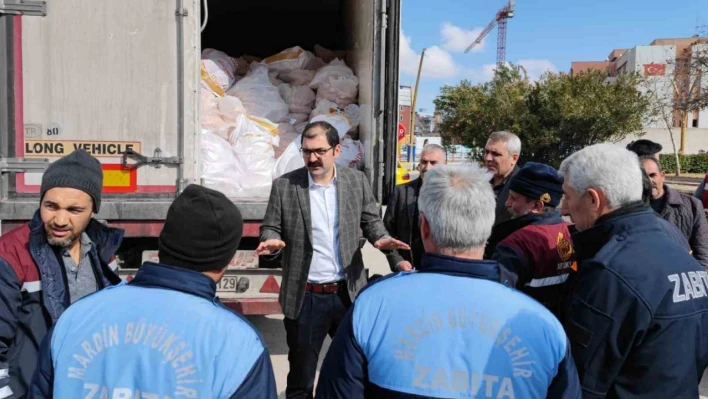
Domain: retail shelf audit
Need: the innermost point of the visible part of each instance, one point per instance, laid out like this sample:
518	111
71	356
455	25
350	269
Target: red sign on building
654	69
401	131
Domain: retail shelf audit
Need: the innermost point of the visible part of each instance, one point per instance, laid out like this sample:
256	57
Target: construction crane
500	18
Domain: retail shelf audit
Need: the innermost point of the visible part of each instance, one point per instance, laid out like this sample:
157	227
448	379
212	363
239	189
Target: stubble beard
61	243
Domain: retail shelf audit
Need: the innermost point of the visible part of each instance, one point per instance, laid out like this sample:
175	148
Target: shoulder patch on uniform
565	248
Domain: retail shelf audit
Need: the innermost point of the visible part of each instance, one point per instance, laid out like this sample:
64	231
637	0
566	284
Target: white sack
351	155
297	77
230	107
300	127
219	68
290	160
336	69
341	90
255	159
324	107
353	113
286	135
300	99
299	118
292	58
252	143
260	97
218	164
339	121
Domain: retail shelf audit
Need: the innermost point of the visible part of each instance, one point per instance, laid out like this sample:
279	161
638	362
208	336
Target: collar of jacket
673	197
107	240
506	228
507	178
417	184
192	282
587	243
483	269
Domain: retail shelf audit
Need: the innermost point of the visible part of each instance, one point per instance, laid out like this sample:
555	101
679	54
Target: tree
689	95
677	89
700	65
554	117
661	108
495	105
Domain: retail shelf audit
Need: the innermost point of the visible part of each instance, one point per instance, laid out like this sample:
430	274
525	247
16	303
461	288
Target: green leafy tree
554	117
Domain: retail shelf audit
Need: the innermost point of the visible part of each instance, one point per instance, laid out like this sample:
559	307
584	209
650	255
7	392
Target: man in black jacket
637	311
501	154
684	211
401	217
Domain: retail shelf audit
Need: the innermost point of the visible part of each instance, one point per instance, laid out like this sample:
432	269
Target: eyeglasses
306	152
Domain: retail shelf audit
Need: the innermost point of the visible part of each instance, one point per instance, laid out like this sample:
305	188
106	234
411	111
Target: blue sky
544	34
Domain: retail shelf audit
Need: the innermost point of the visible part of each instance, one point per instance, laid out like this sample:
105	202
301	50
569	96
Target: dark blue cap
539	182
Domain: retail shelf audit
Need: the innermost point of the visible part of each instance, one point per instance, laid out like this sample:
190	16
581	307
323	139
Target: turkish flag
654	69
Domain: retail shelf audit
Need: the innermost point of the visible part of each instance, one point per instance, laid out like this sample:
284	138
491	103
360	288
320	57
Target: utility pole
411	134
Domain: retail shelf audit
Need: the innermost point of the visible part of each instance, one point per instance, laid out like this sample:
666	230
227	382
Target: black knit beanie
539	182
77	170
202	230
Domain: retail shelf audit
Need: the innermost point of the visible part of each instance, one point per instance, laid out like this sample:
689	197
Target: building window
400	107
400	118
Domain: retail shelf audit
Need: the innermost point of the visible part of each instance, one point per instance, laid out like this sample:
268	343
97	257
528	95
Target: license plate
227	284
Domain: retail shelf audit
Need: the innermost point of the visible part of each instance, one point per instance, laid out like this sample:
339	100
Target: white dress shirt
326	265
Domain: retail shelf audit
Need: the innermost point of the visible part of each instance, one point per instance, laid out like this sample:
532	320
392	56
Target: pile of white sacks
253	113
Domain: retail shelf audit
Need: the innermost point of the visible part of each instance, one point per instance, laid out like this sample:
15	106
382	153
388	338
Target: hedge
690	163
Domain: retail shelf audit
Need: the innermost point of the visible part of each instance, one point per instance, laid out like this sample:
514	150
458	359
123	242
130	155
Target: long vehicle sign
59	148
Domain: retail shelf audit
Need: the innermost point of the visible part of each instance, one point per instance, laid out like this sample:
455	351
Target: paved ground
273	331
683	184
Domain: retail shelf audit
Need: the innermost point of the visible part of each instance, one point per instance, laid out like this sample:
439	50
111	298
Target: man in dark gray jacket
314	216
684	211
501	153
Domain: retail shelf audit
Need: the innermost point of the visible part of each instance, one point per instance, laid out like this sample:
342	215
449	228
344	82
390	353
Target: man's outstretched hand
269	246
404	266
389	243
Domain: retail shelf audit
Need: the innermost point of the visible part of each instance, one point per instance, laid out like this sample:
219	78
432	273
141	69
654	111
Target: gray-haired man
450	329
500	157
638	306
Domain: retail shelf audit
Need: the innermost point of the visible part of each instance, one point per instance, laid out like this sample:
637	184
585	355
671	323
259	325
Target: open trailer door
390	124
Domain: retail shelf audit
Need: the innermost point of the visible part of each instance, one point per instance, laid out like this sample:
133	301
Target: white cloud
482	74
535	67
458	39
438	63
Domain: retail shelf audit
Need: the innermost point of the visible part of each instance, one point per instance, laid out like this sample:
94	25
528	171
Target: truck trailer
121	79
